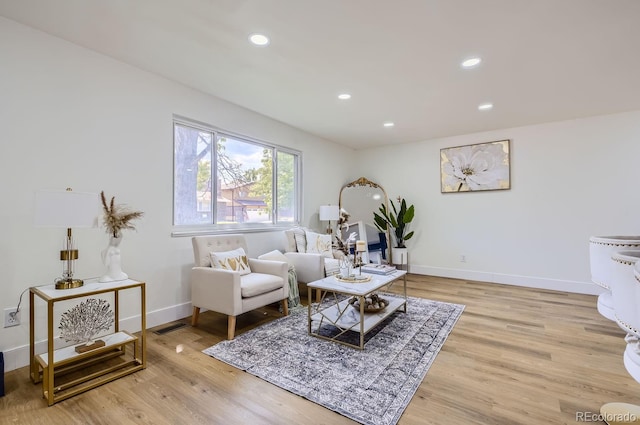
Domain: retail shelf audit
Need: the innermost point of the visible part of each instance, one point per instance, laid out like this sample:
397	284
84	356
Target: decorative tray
372	304
353	278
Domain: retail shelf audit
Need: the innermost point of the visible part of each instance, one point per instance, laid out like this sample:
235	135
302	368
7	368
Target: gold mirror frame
365	182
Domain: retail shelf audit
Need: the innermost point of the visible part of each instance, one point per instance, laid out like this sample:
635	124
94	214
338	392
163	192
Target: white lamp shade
66	209
329	212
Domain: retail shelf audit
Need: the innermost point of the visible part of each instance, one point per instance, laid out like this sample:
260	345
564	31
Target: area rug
373	386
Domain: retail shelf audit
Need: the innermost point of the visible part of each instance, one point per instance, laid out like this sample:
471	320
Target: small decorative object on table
354	278
383	269
84	321
345	267
372	303
346	264
116	219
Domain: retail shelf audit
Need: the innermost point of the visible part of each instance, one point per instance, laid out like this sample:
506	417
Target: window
226	181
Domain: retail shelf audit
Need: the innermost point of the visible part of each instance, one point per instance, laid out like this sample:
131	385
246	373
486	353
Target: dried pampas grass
118	217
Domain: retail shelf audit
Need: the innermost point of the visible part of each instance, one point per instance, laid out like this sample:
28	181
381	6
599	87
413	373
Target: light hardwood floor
516	356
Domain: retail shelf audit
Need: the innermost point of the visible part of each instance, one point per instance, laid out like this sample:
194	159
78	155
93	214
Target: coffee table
339	313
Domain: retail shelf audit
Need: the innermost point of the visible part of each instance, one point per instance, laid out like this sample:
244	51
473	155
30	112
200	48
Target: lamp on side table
66	209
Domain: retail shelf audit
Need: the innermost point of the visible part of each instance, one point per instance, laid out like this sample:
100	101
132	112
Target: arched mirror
360	199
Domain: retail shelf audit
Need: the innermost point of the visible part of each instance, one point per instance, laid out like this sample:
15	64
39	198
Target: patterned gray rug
373	386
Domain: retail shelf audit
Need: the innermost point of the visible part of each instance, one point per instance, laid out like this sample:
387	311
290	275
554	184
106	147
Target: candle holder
361	247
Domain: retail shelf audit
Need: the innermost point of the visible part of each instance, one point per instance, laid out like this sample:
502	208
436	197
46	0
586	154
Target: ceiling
542	60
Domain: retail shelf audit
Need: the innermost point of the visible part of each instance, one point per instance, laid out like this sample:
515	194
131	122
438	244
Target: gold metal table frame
46	366
339	312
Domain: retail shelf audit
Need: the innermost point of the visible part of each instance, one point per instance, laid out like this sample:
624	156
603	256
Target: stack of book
378	269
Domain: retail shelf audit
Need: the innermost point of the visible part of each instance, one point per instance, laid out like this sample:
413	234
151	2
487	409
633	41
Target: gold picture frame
475	168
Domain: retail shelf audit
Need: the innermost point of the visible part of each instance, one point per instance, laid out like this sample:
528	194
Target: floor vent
169	328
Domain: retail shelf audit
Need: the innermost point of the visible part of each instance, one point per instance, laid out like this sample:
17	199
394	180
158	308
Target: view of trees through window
252	182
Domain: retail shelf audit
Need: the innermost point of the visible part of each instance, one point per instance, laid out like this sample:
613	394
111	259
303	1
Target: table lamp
328	213
66	209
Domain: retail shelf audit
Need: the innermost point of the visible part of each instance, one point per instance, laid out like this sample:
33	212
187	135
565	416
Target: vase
346	267
112	261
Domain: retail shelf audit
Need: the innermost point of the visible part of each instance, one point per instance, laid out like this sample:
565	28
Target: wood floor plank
516	356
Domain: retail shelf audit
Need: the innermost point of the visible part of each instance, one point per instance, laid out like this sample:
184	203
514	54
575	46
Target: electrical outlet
463	258
11	317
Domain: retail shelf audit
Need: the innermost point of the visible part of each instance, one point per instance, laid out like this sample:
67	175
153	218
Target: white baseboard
15	358
516	280
18	357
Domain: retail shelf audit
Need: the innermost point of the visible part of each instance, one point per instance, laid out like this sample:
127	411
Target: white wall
570	180
71	117
74	118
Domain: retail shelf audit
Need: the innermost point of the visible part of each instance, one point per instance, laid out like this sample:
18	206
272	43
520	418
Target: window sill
213	230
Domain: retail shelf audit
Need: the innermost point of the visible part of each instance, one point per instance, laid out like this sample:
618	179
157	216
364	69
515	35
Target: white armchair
234	292
600	250
625	288
310	266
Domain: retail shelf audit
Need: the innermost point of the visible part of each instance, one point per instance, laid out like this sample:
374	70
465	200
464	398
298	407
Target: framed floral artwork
473	168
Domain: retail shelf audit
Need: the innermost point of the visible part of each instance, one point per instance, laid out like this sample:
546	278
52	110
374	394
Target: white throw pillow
235	260
319	244
291	241
299	234
274	255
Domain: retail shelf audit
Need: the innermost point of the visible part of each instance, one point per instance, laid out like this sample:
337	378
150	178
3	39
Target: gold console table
55	363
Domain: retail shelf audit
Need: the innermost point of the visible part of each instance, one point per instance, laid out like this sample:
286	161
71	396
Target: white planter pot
400	256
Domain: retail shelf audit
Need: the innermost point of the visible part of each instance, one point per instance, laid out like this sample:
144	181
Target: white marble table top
330	283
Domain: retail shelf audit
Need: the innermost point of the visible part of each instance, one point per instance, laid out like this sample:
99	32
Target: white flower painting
471	168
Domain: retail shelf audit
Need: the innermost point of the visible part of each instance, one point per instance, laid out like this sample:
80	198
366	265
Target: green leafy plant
396	220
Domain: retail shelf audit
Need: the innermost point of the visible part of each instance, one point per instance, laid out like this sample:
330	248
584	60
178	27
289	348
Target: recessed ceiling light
471	62
485	106
344	96
259	39
388	124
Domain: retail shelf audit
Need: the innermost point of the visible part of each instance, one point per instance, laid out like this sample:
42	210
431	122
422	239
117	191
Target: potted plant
398	221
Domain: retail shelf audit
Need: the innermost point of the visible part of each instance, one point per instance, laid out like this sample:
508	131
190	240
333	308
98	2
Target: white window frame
210	228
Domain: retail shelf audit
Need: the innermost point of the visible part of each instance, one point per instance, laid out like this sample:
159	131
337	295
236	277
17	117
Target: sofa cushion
255	284
235	260
318	243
